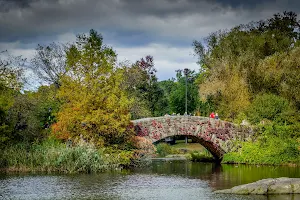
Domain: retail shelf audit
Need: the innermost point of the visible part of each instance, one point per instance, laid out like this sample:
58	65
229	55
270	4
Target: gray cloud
246	4
29	19
126	24
6	5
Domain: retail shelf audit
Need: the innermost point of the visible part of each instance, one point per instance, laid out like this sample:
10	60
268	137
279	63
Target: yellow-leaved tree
229	89
95	107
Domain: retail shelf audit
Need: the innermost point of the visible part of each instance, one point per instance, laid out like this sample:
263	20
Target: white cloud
167	58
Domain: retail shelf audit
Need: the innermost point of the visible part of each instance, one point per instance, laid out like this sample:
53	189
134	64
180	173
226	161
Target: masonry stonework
216	136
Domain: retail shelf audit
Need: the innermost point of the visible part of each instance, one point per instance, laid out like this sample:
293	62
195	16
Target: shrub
201	157
268	106
163	149
267	150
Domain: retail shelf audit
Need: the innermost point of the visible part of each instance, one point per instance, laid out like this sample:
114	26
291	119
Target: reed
53	156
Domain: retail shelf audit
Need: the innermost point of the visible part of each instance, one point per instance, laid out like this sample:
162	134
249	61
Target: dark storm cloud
135	28
6	5
247	4
32	20
168	7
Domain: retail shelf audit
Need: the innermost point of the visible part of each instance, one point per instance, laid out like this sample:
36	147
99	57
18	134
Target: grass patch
52	156
191	151
190	147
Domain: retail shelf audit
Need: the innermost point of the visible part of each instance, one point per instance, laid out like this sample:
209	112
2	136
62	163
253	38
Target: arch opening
212	148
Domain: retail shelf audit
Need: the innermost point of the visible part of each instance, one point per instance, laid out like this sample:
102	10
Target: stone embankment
267	186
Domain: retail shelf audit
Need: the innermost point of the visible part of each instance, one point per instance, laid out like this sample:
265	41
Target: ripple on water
191	181
162	187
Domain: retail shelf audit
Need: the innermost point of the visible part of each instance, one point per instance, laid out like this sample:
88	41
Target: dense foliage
251	72
260	57
94	105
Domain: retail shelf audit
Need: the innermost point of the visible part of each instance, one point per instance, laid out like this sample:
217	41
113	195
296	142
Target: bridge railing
171	116
180	116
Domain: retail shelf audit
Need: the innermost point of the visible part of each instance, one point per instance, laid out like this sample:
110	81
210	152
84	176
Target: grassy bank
52	156
270	151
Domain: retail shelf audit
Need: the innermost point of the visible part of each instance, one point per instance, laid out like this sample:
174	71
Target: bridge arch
216	136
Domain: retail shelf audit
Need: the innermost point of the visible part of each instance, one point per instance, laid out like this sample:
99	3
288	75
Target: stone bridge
216	136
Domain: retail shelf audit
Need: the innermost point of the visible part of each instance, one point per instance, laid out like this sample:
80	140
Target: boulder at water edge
267	186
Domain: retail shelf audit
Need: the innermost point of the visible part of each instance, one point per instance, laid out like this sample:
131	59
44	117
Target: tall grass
52	156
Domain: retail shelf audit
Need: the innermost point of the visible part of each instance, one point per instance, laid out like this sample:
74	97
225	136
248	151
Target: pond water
162	180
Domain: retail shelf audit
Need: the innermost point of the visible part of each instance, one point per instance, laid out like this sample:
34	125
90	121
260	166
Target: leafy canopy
94	105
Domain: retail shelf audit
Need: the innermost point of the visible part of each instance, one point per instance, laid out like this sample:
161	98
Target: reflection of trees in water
212	176
209	172
222	176
184	168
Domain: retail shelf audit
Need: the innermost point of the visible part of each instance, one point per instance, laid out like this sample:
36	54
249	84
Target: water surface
162	180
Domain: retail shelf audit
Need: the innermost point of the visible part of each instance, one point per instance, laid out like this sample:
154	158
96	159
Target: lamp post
186	72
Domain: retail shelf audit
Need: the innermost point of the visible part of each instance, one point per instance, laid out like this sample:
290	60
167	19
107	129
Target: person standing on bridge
212	115
218	123
216	116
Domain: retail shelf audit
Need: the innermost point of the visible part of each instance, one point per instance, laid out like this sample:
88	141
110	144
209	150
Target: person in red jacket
212	115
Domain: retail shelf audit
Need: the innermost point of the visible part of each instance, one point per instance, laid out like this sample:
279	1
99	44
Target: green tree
94	105
252	72
163	105
11	82
142	85
249	59
177	95
6	101
48	104
267	106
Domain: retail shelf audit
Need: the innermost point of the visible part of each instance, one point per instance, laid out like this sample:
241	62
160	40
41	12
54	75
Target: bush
267	150
239	118
164	149
143	150
201	157
268	106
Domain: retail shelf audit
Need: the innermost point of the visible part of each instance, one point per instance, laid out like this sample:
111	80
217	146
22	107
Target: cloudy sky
164	29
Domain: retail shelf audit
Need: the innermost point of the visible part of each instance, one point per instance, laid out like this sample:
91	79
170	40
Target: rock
267	186
295	186
279	188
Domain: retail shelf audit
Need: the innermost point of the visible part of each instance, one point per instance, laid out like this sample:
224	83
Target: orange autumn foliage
57	132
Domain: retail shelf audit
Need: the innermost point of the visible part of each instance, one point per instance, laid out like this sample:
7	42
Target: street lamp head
186	71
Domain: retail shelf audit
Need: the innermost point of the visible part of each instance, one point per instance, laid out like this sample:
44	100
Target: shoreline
25	169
